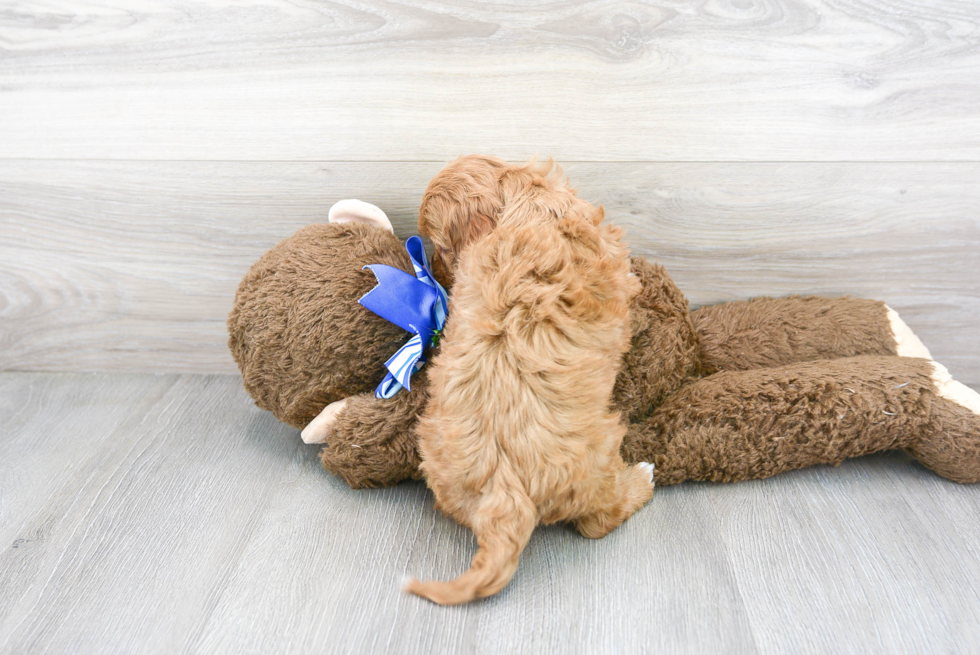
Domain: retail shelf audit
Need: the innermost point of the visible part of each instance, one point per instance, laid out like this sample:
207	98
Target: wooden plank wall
150	152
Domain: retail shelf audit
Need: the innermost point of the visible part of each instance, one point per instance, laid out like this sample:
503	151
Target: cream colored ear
356	211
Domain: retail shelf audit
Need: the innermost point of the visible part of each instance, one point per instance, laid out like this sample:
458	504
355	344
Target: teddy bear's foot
957	392
951	444
318	429
906	343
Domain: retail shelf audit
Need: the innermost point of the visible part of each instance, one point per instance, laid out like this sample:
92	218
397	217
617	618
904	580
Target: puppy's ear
454	220
356	211
598	215
461	204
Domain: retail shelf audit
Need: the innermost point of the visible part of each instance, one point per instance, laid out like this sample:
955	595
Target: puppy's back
518	430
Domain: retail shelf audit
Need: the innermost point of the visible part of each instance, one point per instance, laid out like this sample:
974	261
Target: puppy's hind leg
633	488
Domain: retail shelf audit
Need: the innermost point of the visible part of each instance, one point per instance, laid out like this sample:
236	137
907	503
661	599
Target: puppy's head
461	204
467	199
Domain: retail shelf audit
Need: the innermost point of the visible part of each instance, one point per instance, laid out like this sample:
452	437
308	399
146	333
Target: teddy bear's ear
356	211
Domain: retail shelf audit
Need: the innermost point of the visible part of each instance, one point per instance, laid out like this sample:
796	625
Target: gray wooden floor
166	514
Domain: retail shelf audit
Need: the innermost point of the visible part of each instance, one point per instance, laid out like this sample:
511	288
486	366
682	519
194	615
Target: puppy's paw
318	430
640	485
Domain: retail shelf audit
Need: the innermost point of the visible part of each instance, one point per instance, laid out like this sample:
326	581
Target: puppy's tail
503	526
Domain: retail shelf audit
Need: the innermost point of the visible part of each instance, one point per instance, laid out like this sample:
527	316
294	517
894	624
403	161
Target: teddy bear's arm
739	425
371	441
763	332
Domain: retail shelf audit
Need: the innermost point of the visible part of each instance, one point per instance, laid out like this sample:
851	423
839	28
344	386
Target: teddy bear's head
296	330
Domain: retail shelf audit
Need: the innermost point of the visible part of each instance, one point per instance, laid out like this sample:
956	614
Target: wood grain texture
40	416
128	553
856	548
787	80
150	152
184	520
132	266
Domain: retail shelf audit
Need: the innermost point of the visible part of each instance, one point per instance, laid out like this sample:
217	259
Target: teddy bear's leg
952	447
371	442
763	332
738	425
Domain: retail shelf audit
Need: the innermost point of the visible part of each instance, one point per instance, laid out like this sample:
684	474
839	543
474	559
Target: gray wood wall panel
788	80
185	520
133	265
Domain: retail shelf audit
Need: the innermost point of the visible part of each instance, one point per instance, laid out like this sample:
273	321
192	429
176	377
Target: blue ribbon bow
415	304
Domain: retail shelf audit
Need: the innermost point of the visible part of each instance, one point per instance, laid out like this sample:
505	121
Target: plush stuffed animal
729	392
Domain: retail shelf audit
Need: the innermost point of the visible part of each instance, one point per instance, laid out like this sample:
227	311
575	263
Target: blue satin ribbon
416	304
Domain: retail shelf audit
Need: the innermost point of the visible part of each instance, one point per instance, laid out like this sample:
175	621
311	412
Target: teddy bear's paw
906	343
950	389
318	430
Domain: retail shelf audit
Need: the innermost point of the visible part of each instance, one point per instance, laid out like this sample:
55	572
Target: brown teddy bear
729	392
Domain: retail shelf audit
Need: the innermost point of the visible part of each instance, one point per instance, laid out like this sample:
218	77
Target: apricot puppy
518	429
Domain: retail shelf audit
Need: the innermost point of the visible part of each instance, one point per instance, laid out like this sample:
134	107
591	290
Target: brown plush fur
296	326
738	425
664	352
373	443
518	429
294	372
739	336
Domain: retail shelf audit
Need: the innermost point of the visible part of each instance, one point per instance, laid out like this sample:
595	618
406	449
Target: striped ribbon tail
390	386
400	367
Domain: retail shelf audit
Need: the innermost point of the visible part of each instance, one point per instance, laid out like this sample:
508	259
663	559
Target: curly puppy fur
518	430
